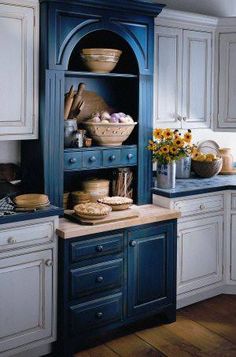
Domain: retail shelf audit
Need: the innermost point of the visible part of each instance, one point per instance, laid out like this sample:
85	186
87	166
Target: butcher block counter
147	214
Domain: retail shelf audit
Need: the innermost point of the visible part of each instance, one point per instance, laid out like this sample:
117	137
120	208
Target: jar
228	159
97	188
70	129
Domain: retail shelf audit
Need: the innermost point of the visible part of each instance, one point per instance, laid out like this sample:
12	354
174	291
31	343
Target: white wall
221	8
10	152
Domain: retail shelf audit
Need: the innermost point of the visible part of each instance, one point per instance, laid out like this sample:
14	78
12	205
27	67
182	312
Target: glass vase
166	175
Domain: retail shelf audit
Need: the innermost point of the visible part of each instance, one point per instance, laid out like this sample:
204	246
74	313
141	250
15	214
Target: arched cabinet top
68	23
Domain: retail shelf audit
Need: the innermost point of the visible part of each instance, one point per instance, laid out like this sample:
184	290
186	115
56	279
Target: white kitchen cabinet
233	248
168	78
184	75
18	70
200	261
227	81
26	299
28	269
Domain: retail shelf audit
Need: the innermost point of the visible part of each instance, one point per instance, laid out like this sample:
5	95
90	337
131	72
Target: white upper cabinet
18	70
168	78
183	72
197	79
227	81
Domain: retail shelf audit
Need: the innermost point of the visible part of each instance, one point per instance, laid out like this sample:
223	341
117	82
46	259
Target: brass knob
92	158
202	206
99	279
72	160
132	243
99	248
130	156
112	157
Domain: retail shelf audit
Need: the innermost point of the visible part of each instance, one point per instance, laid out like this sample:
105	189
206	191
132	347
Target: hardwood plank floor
204	329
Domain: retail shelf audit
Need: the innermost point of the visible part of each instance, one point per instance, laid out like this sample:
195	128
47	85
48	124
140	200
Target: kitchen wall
10	151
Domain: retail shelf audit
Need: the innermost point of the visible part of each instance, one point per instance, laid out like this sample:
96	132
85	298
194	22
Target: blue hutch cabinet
67	26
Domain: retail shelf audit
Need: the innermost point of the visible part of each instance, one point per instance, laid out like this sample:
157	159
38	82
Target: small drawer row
104	158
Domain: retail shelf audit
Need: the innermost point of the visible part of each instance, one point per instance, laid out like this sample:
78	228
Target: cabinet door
199	260
227	81
25	299
168	77
197	79
233	248
18	79
151	268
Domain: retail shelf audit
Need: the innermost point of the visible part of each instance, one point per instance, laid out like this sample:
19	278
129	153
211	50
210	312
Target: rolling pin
77	100
69	97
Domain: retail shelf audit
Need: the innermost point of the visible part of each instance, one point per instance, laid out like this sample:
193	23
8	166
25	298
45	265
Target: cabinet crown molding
185	18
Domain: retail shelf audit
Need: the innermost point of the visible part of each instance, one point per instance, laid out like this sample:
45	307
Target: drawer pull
73	160
99	248
99	315
132	243
202	207
92	159
112	157
99	279
11	240
49	263
130	156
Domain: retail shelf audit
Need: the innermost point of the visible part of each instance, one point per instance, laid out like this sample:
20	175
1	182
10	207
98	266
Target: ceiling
221	8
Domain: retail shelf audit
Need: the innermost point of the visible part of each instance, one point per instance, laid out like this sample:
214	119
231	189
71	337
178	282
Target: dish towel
6	205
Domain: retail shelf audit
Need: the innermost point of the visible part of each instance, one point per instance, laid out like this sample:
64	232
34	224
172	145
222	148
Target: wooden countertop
147	214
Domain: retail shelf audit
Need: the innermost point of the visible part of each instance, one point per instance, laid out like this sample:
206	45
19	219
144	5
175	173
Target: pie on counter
117	203
92	210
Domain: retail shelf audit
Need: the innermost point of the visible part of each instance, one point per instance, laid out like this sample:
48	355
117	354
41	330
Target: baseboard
198	295
34	352
230	289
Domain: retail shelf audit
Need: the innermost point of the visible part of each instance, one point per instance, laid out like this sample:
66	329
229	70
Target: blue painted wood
90	315
151	256
146	287
96	278
65	27
91	248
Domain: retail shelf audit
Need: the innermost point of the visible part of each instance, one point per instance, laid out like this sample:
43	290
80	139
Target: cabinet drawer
233	201
26	235
94	248
73	160
111	157
96	278
96	313
204	204
92	159
129	156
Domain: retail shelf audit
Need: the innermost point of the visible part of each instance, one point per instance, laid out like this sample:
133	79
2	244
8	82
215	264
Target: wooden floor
207	328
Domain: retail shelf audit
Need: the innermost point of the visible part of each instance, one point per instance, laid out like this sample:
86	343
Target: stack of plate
31	201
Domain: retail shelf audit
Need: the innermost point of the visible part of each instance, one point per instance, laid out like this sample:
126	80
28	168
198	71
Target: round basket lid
209	147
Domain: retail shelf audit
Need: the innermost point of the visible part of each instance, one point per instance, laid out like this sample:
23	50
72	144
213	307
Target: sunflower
168	134
173	150
157	133
196	155
188	137
165	149
168	158
179	142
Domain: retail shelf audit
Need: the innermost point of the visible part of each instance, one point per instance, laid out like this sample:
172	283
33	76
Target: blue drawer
96	313
73	160
111	157
96	278
129	156
93	248
92	159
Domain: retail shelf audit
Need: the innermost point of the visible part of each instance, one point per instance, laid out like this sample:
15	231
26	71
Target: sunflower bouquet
170	145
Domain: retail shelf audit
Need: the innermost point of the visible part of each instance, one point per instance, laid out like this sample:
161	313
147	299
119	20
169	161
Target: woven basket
207	169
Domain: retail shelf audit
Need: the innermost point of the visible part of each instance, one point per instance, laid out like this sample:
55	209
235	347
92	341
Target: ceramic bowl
100	60
110	134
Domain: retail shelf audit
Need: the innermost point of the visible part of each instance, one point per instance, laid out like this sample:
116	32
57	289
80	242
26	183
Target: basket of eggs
206	164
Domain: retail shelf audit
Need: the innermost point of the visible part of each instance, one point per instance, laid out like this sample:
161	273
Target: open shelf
99	75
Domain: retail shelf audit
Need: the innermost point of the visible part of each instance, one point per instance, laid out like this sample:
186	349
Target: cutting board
114	216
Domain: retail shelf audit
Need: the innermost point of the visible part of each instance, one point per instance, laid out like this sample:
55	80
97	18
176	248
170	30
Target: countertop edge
158	214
